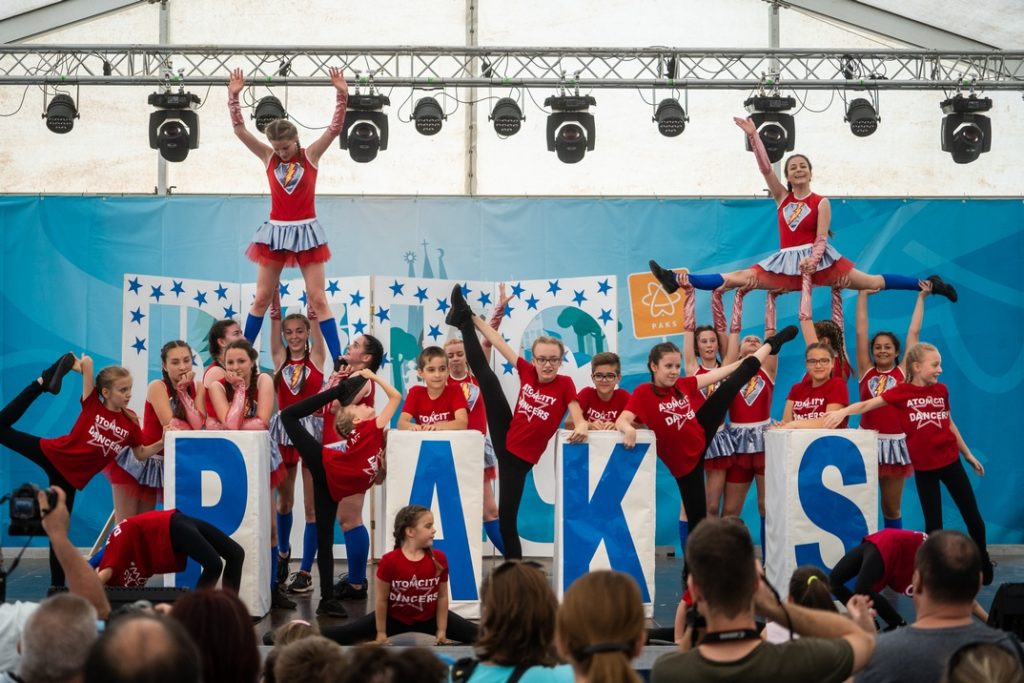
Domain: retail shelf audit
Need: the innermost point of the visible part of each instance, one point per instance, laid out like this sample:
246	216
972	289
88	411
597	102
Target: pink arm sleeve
235	410
760	153
192	415
769	312
338	120
717	311
736	324
689	310
235	110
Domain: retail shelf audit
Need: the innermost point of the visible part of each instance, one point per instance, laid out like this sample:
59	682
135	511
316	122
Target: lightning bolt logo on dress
878	384
288	175
294	376
753	389
795	213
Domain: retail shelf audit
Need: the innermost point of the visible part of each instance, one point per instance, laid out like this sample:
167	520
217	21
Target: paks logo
655	312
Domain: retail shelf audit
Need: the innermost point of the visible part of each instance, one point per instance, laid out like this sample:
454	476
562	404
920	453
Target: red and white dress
478	420
352	468
898	547
596	410
720	450
140	547
924	417
97	437
749	417
798	228
297	380
893	456
537	413
292	236
672	415
810	402
415	586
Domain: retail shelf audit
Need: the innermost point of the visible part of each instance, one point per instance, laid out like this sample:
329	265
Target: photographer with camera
728	589
81	578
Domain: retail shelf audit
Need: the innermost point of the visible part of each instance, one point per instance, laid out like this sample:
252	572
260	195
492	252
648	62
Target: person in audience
983	663
144	648
221	626
293	631
313	659
64	624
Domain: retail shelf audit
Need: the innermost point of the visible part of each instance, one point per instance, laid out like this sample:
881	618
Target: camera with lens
26	517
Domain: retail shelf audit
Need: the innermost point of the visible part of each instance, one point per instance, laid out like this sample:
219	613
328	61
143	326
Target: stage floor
30	579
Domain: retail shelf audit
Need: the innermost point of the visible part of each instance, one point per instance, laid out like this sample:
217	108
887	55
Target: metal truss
439	67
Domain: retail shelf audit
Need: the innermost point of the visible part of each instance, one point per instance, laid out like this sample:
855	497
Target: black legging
955	478
311	452
710	416
28	445
867	564
206	544
365	628
512	470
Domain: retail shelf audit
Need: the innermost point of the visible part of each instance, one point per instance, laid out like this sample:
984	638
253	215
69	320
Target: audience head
64	624
313	659
293	631
143	648
517	616
720	557
220	624
373	664
808	587
601	626
947	568
983	663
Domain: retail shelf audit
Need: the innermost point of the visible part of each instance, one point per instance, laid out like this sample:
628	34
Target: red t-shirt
474	402
428	411
898	548
924	417
140	547
672	416
596	410
292	188
352	470
809	401
798	220
98	436
884	420
538	412
415	586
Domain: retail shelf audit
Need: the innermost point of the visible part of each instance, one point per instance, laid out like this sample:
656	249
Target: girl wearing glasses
519	437
604	402
818	393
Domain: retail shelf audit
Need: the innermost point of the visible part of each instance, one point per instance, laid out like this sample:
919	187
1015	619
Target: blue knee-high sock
329	328
892	282
707	281
493	532
284	532
309	547
763	544
252	327
273	569
357	544
684	533
95	560
896	523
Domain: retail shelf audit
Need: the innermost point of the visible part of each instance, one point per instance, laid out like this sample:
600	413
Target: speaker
1007	613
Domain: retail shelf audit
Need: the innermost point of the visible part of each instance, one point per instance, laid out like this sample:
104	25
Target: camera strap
730	636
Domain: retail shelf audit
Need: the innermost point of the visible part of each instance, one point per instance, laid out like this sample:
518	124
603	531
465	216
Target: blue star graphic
517	289
200	297
553	287
508	367
531	302
384	359
382	314
357	298
303	298
283	289
508	310
221	291
435	332
396	288
134	285
578	297
442	305
603	287
421	294
139	345
156	292
138	315
332	287
606	316
359	326
177	288
484	299
465	290
230	312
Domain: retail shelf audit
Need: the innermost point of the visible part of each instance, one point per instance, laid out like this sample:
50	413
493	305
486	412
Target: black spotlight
670	117
174	127
862	117
966	134
571	129
61	113
268	109
507	116
366	127
428	116
775	128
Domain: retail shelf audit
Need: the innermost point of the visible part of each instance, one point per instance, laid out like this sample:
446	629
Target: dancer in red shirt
437	405
604	402
817	394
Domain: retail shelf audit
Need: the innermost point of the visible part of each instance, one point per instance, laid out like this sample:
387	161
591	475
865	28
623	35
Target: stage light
366	127
507	116
966	133
570	129
775	128
61	113
174	127
862	117
670	117
428	116
268	109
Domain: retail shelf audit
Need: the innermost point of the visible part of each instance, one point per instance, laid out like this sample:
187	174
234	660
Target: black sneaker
283	568
349	388
666	277
278	600
343	590
460	312
331	608
781	337
942	288
301	582
54	375
268	637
